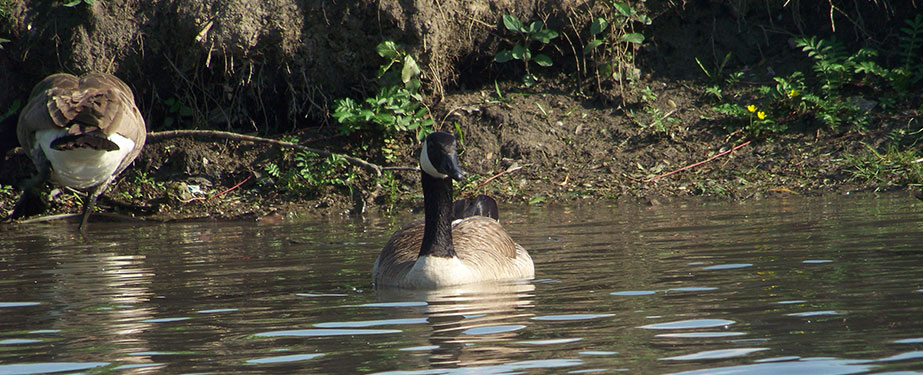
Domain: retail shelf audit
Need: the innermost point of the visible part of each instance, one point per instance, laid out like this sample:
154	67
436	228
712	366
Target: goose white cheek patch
428	165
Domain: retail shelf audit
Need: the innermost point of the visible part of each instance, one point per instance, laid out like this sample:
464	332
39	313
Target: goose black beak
452	169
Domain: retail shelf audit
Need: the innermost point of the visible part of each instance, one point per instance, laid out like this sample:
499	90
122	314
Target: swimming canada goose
436	251
82	132
482	205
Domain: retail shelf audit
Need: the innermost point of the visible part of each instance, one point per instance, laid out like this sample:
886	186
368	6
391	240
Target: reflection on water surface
796	285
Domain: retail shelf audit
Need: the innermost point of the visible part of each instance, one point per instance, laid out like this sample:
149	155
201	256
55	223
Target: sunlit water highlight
794	285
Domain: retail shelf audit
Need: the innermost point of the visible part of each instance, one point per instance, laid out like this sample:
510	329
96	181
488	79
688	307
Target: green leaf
384	118
366	114
410	69
545	36
519	52
536	27
635	38
388	49
542	60
73	3
186	111
503	56
598	25
591	45
623	8
512	23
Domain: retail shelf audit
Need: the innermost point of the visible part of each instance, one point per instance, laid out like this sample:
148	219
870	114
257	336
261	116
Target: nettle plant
398	106
526	36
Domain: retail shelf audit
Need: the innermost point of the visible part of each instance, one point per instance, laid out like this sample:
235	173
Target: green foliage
74	3
613	39
715	74
522	46
308	173
141	183
843	90
893	166
398	106
14	107
177	112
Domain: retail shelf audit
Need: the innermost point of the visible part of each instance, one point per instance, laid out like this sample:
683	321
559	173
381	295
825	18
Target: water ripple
728	266
285	358
49	367
692	323
569	317
715	354
325	332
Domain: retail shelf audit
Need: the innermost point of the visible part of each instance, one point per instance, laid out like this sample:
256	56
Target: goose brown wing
400	252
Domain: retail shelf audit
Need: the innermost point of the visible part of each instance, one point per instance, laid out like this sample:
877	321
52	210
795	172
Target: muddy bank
274	69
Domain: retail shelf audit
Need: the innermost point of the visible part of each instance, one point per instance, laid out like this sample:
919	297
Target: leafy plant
309	173
893	166
659	122
843	91
74	3
522	48
398	106
612	41
14	107
715	74
177	111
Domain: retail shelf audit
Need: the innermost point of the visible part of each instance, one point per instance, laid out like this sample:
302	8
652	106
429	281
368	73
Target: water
822	285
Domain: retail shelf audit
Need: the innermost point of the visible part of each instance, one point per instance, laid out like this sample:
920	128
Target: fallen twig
156	136
508	170
232	187
693	165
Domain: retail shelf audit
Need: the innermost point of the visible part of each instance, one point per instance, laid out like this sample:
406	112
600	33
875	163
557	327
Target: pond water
829	285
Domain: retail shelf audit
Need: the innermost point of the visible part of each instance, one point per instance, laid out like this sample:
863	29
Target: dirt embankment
275	67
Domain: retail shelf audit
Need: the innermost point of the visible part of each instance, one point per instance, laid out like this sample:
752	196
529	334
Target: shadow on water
797	285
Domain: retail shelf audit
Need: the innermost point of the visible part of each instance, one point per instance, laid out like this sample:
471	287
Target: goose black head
438	157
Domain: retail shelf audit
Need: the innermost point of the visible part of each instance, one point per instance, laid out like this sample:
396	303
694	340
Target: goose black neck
437	205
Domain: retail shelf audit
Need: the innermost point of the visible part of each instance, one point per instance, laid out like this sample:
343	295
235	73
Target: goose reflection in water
468	322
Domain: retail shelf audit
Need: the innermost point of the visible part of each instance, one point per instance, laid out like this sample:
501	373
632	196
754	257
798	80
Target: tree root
157	136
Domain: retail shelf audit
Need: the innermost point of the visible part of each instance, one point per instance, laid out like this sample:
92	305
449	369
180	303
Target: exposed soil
293	58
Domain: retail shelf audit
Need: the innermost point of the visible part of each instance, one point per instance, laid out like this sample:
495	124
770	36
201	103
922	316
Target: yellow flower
761	115
751	108
793	93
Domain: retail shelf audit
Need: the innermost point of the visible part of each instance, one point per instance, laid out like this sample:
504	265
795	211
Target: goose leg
90	204
30	202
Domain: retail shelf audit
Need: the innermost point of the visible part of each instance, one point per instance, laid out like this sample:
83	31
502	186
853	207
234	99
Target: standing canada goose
82	132
436	251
